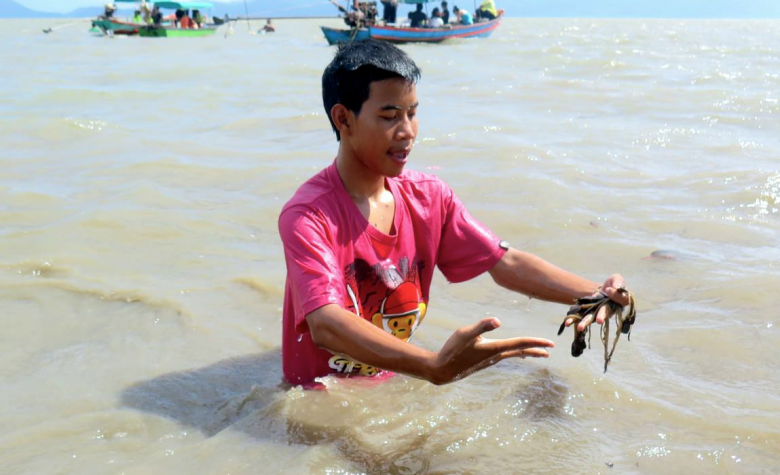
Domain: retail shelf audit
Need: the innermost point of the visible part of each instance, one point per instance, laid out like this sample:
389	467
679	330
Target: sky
62	6
602	8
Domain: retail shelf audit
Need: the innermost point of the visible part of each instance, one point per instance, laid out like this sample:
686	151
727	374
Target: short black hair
347	79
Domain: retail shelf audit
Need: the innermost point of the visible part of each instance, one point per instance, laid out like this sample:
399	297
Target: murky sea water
141	273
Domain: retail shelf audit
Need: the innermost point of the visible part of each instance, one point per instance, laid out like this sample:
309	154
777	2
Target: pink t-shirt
334	256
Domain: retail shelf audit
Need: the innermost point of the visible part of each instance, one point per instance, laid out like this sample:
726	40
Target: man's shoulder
313	191
418	182
412	177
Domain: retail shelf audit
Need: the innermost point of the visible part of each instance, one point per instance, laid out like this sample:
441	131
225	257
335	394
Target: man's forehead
393	89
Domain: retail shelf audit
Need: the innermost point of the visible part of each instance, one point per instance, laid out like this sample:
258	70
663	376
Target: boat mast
246	9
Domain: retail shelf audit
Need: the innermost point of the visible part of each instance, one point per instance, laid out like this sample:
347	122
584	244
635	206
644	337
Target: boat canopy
185	5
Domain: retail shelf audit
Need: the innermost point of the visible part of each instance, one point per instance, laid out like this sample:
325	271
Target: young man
445	14
362	237
418	18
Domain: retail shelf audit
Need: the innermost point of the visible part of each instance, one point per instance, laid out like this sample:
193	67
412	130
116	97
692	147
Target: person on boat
487	10
269	27
418	17
353	18
363	237
108	10
365	12
137	18
389	11
185	21
436	21
445	13
370	11
157	17
198	19
463	16
147	13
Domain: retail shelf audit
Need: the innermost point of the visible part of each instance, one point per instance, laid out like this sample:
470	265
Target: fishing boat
108	25
171	30
410	35
396	34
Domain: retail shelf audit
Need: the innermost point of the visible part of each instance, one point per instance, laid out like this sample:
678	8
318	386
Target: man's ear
343	119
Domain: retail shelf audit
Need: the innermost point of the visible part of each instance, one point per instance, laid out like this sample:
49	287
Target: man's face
385	130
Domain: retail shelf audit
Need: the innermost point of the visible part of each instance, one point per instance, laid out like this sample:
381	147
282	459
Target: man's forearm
340	331
533	276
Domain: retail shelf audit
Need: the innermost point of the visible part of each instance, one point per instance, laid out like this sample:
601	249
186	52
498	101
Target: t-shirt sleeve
312	268
467	247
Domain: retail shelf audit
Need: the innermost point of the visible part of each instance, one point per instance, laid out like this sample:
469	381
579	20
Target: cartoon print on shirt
401	311
387	295
345	365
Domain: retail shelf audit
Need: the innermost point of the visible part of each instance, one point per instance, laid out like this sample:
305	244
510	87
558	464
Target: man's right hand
467	351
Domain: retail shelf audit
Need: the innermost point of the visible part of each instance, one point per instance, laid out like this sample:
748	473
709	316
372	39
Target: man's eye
387	118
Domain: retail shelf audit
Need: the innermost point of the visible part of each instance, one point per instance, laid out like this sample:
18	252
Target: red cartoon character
401	311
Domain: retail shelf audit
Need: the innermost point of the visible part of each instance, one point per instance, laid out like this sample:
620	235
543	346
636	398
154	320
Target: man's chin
396	165
394	171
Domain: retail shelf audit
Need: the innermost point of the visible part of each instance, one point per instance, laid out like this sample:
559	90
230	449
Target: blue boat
411	35
432	35
396	34
335	36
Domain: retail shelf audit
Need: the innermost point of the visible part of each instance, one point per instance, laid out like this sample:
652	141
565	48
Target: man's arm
465	352
533	276
341	9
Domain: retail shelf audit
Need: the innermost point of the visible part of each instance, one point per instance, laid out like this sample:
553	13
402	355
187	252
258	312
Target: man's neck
361	183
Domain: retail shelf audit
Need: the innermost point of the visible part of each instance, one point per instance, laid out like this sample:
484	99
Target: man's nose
406	129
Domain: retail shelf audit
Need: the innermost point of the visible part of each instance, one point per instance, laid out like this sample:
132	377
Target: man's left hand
611	288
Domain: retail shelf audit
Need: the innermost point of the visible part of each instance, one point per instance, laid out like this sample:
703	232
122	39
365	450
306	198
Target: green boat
169	32
175	31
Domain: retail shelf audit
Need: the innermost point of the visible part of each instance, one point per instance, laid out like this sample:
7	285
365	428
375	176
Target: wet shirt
334	256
